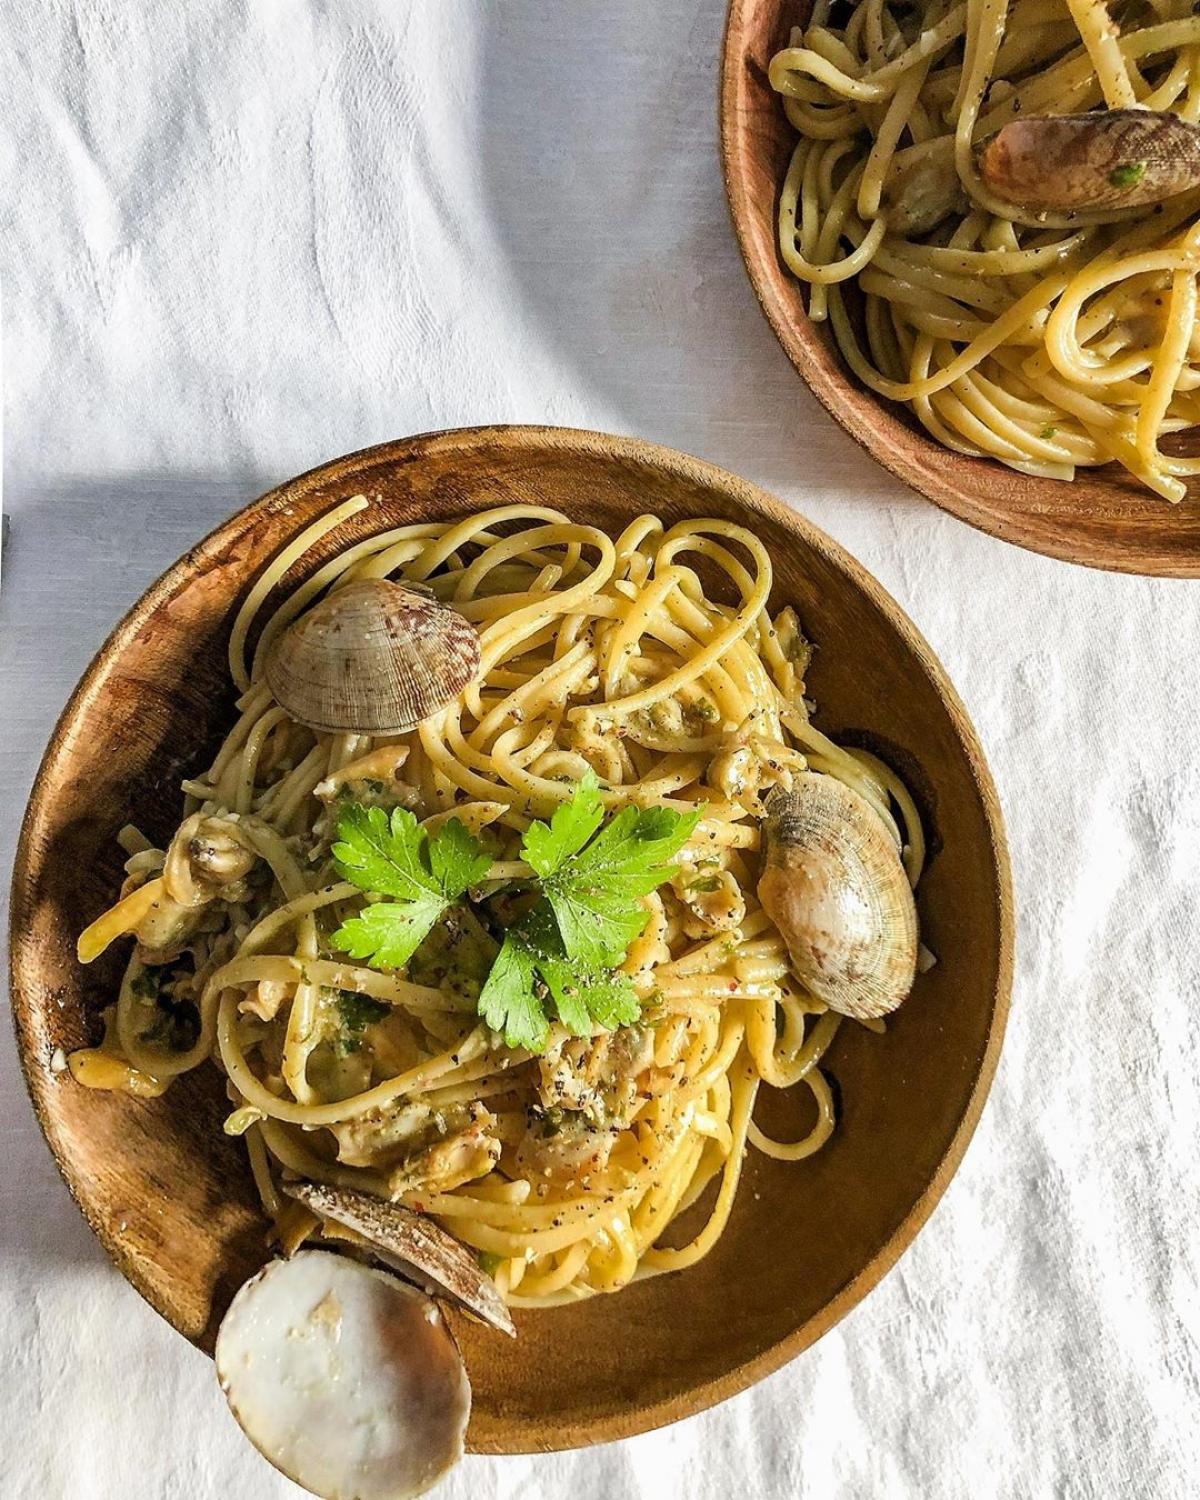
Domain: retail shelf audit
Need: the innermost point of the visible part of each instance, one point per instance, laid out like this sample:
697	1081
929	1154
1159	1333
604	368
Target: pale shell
834	886
410	1243
344	1378
373	657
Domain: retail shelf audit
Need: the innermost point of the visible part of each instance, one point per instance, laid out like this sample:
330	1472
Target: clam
411	1244
1113	158
834	886
923	188
344	1378
373	657
219	853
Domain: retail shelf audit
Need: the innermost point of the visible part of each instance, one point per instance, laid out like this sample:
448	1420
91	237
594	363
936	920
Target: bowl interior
170	1196
1105	519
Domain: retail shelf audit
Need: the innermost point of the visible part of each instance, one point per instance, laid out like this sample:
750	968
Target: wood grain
1104	519
170	1196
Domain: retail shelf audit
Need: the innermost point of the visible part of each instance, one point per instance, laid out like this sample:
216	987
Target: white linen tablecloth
238	237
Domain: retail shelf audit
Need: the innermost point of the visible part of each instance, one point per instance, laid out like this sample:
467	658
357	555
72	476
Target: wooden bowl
1105	519
170	1197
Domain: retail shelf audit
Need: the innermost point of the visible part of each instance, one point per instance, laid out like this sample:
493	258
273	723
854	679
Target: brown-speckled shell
373	657
1113	158
410	1243
834	885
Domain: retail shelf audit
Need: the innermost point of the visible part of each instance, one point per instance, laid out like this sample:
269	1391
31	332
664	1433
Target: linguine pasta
1046	340
651	659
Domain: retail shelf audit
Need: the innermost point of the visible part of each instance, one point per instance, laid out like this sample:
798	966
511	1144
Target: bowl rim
909	463
38	1080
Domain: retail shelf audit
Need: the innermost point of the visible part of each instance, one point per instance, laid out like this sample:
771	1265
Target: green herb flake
705	885
176	1027
1128	175
144	985
1048	432
798	649
358	1011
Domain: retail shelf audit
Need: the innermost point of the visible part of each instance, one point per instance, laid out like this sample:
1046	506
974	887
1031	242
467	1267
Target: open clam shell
411	1244
344	1378
834	885
373	657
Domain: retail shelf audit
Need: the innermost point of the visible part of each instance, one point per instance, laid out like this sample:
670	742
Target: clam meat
344	1378
833	884
373	657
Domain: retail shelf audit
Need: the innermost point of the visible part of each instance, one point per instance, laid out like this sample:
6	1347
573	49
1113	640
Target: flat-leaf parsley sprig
394	856
560	959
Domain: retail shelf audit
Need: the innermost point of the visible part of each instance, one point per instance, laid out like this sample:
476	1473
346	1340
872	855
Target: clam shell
1112	158
834	885
411	1244
373	657
344	1378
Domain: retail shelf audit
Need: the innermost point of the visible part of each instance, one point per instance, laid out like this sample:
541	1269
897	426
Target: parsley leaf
533	972
456	858
563	953
547	846
508	1001
580	997
394	856
596	889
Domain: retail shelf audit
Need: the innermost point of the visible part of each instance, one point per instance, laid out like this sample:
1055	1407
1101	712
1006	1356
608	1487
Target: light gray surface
238	239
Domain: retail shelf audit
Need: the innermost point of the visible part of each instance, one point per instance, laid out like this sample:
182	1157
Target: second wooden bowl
1105	519
170	1196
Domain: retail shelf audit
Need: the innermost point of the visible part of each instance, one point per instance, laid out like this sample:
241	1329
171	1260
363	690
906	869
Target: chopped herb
1128	175
1048	432
145	985
798	649
176	1028
548	1120
356	1012
653	1005
489	1263
359	1011
705	885
705	710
